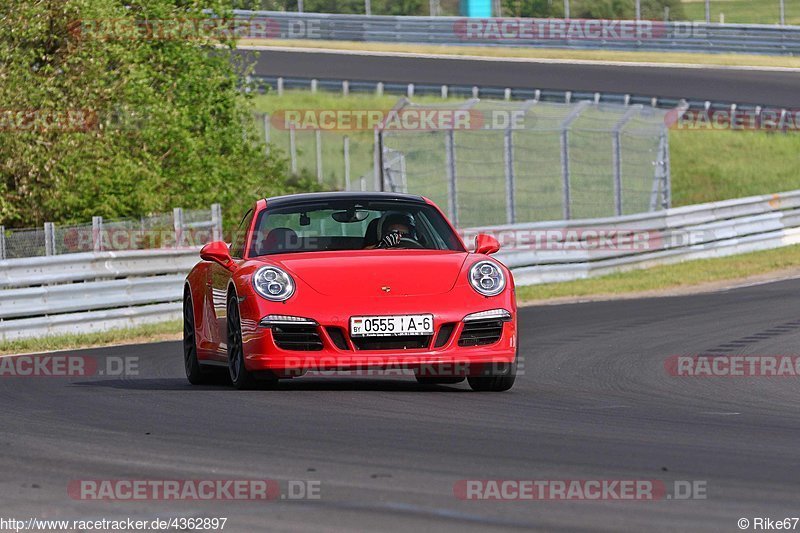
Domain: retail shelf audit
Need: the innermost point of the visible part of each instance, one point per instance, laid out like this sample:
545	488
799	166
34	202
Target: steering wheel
408	242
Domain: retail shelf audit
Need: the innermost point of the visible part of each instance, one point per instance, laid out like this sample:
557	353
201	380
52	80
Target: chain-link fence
534	161
177	229
504	162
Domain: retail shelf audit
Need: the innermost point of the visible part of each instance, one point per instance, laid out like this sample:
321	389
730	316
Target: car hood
371	272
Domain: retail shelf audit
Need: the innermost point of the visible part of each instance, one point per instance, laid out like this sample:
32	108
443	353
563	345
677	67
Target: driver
396	226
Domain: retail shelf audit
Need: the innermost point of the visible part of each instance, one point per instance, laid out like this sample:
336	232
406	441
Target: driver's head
401	223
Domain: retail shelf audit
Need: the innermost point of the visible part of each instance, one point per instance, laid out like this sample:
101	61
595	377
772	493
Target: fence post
367	7
565	177
403	173
508	152
376	160
345	88
616	158
452	193
216	222
667	200
616	155
49	238
280	86
177	223
565	185
783	13
379	89
566	9
314	84
267	126
293	149
2	243
444	91
708	11
97	234
346	155
318	146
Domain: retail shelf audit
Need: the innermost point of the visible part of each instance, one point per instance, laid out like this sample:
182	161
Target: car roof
292	199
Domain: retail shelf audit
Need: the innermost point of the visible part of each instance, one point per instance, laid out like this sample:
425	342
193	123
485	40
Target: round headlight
273	283
487	278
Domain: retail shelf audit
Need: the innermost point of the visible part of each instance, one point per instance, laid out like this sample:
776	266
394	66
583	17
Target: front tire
500	378
240	376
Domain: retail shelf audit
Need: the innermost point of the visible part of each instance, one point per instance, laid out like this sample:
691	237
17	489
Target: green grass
744	11
148	333
690	273
719	165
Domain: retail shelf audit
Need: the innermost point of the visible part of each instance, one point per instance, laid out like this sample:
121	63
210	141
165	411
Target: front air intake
481	332
297	337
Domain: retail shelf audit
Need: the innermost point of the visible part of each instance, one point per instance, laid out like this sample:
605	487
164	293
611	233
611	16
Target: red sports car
329	282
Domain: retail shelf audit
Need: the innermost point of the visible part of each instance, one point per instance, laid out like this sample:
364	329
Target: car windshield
351	225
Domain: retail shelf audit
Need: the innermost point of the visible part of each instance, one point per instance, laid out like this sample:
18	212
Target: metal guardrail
699	231
534	33
88	292
79	293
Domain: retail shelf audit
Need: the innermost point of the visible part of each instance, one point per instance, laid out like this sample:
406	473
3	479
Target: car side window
240	237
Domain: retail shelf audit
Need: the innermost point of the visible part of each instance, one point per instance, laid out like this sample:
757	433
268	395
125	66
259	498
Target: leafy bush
165	123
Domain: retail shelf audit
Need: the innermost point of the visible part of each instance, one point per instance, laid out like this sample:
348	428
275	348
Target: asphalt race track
762	87
595	402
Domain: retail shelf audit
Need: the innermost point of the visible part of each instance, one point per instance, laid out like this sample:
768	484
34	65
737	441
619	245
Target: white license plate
391	325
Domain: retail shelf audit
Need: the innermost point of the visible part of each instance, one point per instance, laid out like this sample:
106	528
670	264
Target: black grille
481	332
444	334
337	336
405	342
298	337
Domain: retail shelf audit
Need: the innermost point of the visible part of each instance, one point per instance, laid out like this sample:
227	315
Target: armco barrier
79	293
542	33
88	292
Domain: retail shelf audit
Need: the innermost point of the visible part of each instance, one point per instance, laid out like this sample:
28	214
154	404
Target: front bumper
441	354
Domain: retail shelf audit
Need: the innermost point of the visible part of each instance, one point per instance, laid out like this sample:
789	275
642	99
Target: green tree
533	8
167	124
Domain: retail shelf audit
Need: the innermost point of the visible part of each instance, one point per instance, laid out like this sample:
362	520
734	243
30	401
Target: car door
218	280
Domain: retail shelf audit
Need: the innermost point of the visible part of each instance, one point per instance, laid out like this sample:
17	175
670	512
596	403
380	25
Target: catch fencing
176	229
531	33
94	291
506	162
533	161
